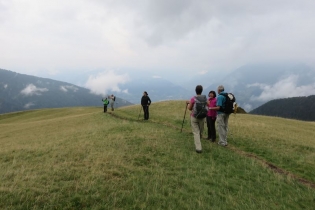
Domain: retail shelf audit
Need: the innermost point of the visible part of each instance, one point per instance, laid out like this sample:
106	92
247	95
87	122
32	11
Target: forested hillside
301	108
20	92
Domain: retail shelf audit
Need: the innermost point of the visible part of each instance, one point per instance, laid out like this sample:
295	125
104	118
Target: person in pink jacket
212	116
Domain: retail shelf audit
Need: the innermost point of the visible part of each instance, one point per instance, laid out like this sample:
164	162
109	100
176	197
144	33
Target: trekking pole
140	111
184	118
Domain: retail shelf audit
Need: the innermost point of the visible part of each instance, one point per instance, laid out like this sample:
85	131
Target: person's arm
215	108
218	105
149	101
190	104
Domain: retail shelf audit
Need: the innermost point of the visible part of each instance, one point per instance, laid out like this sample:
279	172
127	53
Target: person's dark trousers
105	108
146	112
211	128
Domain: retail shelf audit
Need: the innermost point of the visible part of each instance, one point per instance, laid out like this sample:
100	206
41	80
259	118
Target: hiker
112	101
222	118
105	102
211	116
198	106
145	102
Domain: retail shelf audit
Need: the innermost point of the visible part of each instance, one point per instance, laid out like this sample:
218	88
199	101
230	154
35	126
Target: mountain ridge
20	92
299	108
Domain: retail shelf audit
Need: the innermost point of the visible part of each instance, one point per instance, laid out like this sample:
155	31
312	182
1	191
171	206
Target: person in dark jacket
145	102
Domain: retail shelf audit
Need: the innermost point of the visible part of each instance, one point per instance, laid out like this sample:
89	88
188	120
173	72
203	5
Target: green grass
81	158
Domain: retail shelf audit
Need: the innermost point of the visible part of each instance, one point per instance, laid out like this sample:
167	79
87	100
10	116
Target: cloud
284	88
33	90
28	105
105	82
178	35
247	107
53	72
156	77
62	88
125	91
202	72
260	85
5	86
68	87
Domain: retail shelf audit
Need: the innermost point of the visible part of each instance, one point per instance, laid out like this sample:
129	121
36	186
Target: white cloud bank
33	90
283	89
105	82
171	36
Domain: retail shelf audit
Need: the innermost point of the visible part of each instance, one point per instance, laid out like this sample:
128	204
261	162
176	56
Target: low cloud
202	72
125	91
247	107
283	89
156	77
5	86
33	90
260	85
62	88
105	82
28	105
66	88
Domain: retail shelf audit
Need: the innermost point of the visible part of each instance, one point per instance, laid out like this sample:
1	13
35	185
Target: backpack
114	98
230	105
105	101
200	108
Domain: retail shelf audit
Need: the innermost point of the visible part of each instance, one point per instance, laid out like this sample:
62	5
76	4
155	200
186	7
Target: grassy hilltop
81	158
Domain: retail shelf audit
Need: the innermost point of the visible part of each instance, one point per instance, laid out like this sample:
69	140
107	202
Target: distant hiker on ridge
198	106
112	101
105	102
145	102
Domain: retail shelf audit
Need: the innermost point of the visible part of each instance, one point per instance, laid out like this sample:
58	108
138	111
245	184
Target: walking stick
184	118
140	112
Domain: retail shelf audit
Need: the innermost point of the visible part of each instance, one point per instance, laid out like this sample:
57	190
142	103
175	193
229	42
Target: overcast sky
120	38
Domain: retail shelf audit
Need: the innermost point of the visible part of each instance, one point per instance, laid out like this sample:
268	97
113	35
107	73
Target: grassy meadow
81	158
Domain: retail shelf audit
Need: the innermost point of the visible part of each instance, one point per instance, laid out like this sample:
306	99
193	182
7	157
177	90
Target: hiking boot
198	151
224	145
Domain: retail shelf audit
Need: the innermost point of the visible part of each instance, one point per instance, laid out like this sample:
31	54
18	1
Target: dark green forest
300	108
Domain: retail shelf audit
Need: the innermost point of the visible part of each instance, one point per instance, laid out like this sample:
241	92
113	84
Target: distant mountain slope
256	84
158	89
20	92
301	108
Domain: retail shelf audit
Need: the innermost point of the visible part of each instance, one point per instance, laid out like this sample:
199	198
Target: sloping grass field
81	158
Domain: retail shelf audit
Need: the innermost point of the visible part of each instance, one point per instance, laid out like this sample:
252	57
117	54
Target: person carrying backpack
105	102
112	101
225	106
145	102
198	107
